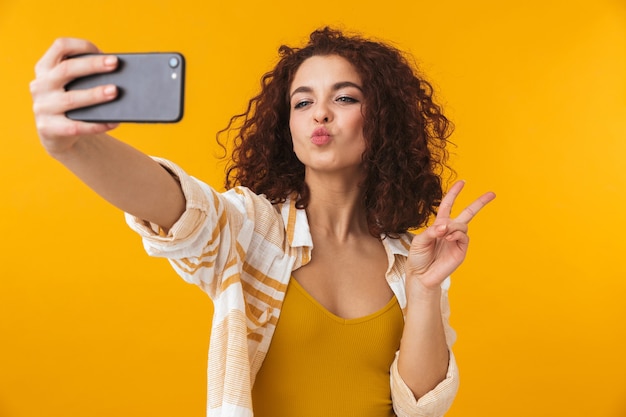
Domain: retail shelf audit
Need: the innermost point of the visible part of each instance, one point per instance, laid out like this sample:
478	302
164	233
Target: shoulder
295	222
281	223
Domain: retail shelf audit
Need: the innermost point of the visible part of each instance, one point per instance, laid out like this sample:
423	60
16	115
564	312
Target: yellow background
91	326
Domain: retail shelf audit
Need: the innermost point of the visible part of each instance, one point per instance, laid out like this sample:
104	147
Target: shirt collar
296	224
299	234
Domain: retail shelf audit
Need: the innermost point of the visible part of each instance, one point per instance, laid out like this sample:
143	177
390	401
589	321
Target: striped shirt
241	250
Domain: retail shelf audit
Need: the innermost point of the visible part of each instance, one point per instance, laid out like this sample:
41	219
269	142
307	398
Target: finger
470	211
83	98
453	227
444	230
59	102
61	127
428	236
70	69
445	207
61	49
458	236
438	231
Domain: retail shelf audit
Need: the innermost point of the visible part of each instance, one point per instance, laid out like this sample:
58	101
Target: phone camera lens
173	62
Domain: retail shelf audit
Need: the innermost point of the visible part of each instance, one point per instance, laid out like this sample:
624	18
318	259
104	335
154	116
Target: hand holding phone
150	90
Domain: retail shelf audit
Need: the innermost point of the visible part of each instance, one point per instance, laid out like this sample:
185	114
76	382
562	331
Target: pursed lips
320	136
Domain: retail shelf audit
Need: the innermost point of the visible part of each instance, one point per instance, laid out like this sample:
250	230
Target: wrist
417	291
58	149
69	148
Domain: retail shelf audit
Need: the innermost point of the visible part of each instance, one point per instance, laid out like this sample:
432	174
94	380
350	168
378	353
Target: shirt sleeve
204	242
436	402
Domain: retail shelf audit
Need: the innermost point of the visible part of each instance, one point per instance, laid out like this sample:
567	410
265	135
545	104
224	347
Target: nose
322	113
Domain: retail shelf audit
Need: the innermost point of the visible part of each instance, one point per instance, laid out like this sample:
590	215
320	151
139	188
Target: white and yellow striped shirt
241	250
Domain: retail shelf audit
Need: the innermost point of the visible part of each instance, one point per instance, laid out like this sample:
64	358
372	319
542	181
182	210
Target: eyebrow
336	86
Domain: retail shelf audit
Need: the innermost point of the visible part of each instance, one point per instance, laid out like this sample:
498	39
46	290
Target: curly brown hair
405	131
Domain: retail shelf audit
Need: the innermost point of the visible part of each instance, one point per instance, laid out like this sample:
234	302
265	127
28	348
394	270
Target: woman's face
326	116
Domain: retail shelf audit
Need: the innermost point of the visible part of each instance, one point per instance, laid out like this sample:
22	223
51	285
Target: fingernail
110	60
110	90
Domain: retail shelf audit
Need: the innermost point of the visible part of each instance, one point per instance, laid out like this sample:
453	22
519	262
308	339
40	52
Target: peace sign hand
441	248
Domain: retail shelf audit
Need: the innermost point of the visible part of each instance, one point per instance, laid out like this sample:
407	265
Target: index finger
445	207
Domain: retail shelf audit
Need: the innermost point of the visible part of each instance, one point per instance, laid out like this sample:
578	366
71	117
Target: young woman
324	304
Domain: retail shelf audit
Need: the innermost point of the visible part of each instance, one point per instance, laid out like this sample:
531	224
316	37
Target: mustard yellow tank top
320	365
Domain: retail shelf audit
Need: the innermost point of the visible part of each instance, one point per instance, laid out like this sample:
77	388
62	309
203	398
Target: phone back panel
150	90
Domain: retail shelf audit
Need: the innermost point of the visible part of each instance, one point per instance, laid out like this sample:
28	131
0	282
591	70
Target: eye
301	104
347	99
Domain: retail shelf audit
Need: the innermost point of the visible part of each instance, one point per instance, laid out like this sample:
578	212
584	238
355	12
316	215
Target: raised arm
124	176
434	255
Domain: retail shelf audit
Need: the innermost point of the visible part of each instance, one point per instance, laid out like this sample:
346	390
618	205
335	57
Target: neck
336	208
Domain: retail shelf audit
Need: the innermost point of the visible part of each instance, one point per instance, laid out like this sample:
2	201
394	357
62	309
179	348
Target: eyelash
347	99
301	104
343	99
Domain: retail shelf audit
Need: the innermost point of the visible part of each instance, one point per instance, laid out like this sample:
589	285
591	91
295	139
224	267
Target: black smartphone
150	87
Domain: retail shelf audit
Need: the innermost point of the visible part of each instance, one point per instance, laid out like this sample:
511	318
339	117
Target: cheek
299	155
294	122
298	129
355	118
296	144
357	124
